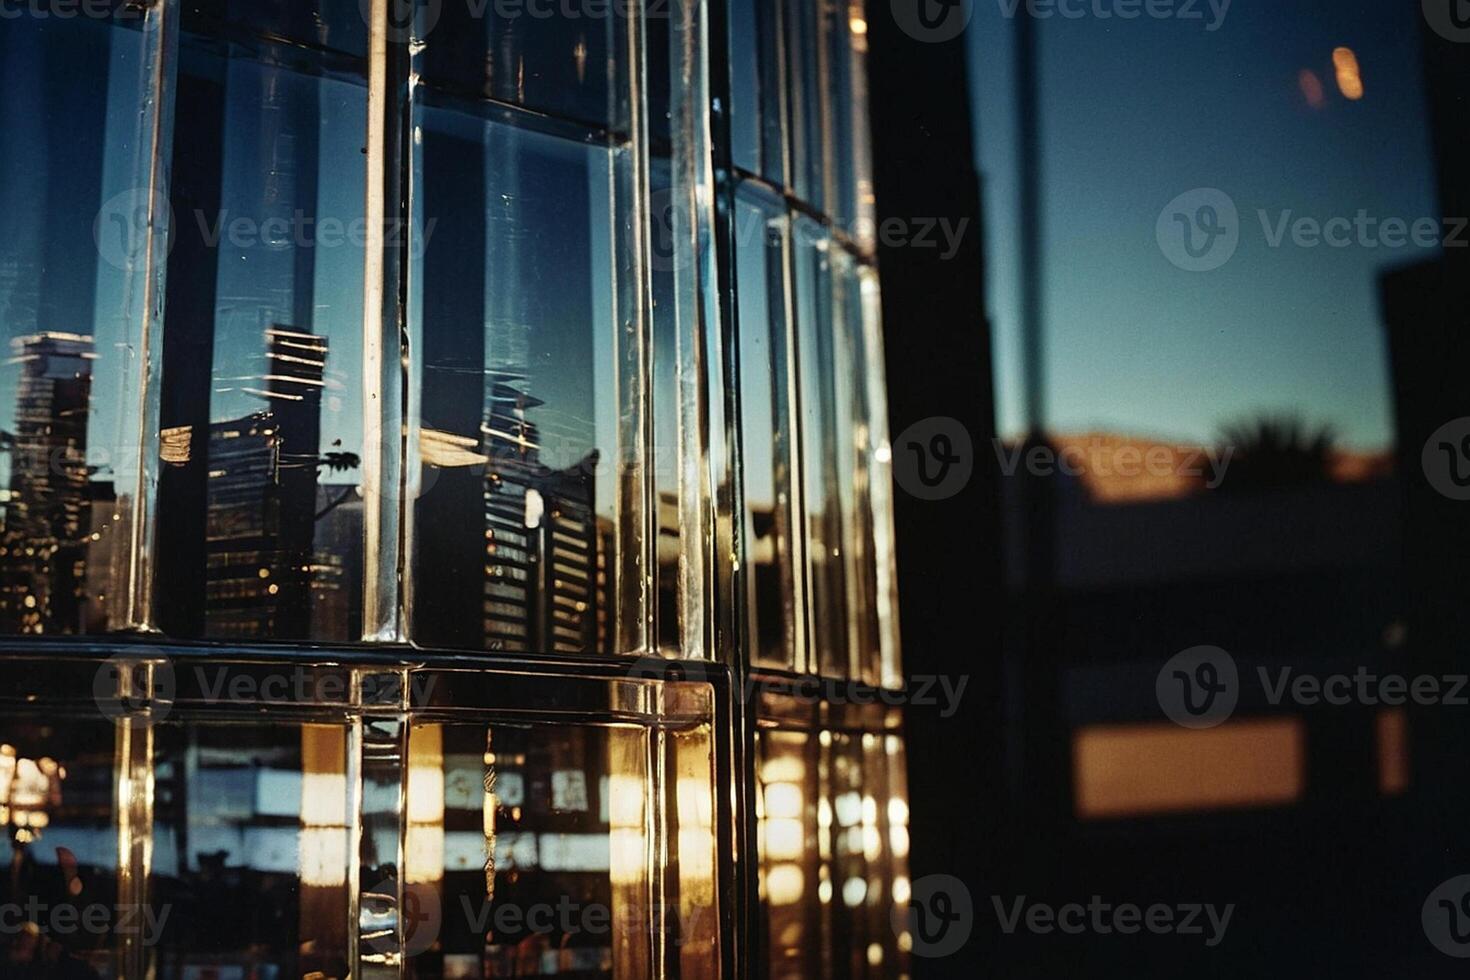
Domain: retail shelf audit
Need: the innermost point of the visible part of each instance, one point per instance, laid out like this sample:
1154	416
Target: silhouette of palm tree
1274	452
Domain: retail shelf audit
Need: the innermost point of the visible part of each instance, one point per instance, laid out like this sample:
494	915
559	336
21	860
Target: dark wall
939	365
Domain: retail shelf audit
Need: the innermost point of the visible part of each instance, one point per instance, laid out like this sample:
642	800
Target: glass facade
425	426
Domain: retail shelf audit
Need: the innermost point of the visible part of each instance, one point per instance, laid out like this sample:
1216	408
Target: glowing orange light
1349	74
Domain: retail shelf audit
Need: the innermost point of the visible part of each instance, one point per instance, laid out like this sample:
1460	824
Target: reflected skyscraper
263	498
47	516
540	535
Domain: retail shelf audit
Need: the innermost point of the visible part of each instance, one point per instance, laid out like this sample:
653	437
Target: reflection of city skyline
48	522
264	576
543	587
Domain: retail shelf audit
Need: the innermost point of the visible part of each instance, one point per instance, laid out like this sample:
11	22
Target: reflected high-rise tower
541	574
511	445
263	498
48	514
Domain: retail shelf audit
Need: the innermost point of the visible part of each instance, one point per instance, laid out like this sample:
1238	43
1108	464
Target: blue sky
1135	113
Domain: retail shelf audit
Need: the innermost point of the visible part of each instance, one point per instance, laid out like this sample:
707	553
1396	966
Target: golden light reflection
423	856
626	840
323	849
783	801
785	885
1349	73
1131	770
1392	730
784	839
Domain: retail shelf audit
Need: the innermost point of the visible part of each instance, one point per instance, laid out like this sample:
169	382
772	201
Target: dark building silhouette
1424	313
262	499
48	516
102	602
938	358
336	582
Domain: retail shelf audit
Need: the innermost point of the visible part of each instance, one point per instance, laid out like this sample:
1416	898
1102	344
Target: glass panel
261	535
853	461
772	584
806	27
683	318
527	530
64	911
821	478
694	882
77	282
667	252
559	827
745	84
833	818
250	849
880	479
568	58
302	821
337	25
847	43
534	843
792	888
758	89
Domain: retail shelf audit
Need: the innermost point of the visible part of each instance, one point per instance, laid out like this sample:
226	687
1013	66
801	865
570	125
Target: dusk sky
1135	113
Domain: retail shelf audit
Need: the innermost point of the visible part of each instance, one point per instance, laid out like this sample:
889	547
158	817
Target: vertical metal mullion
138	611
383	318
